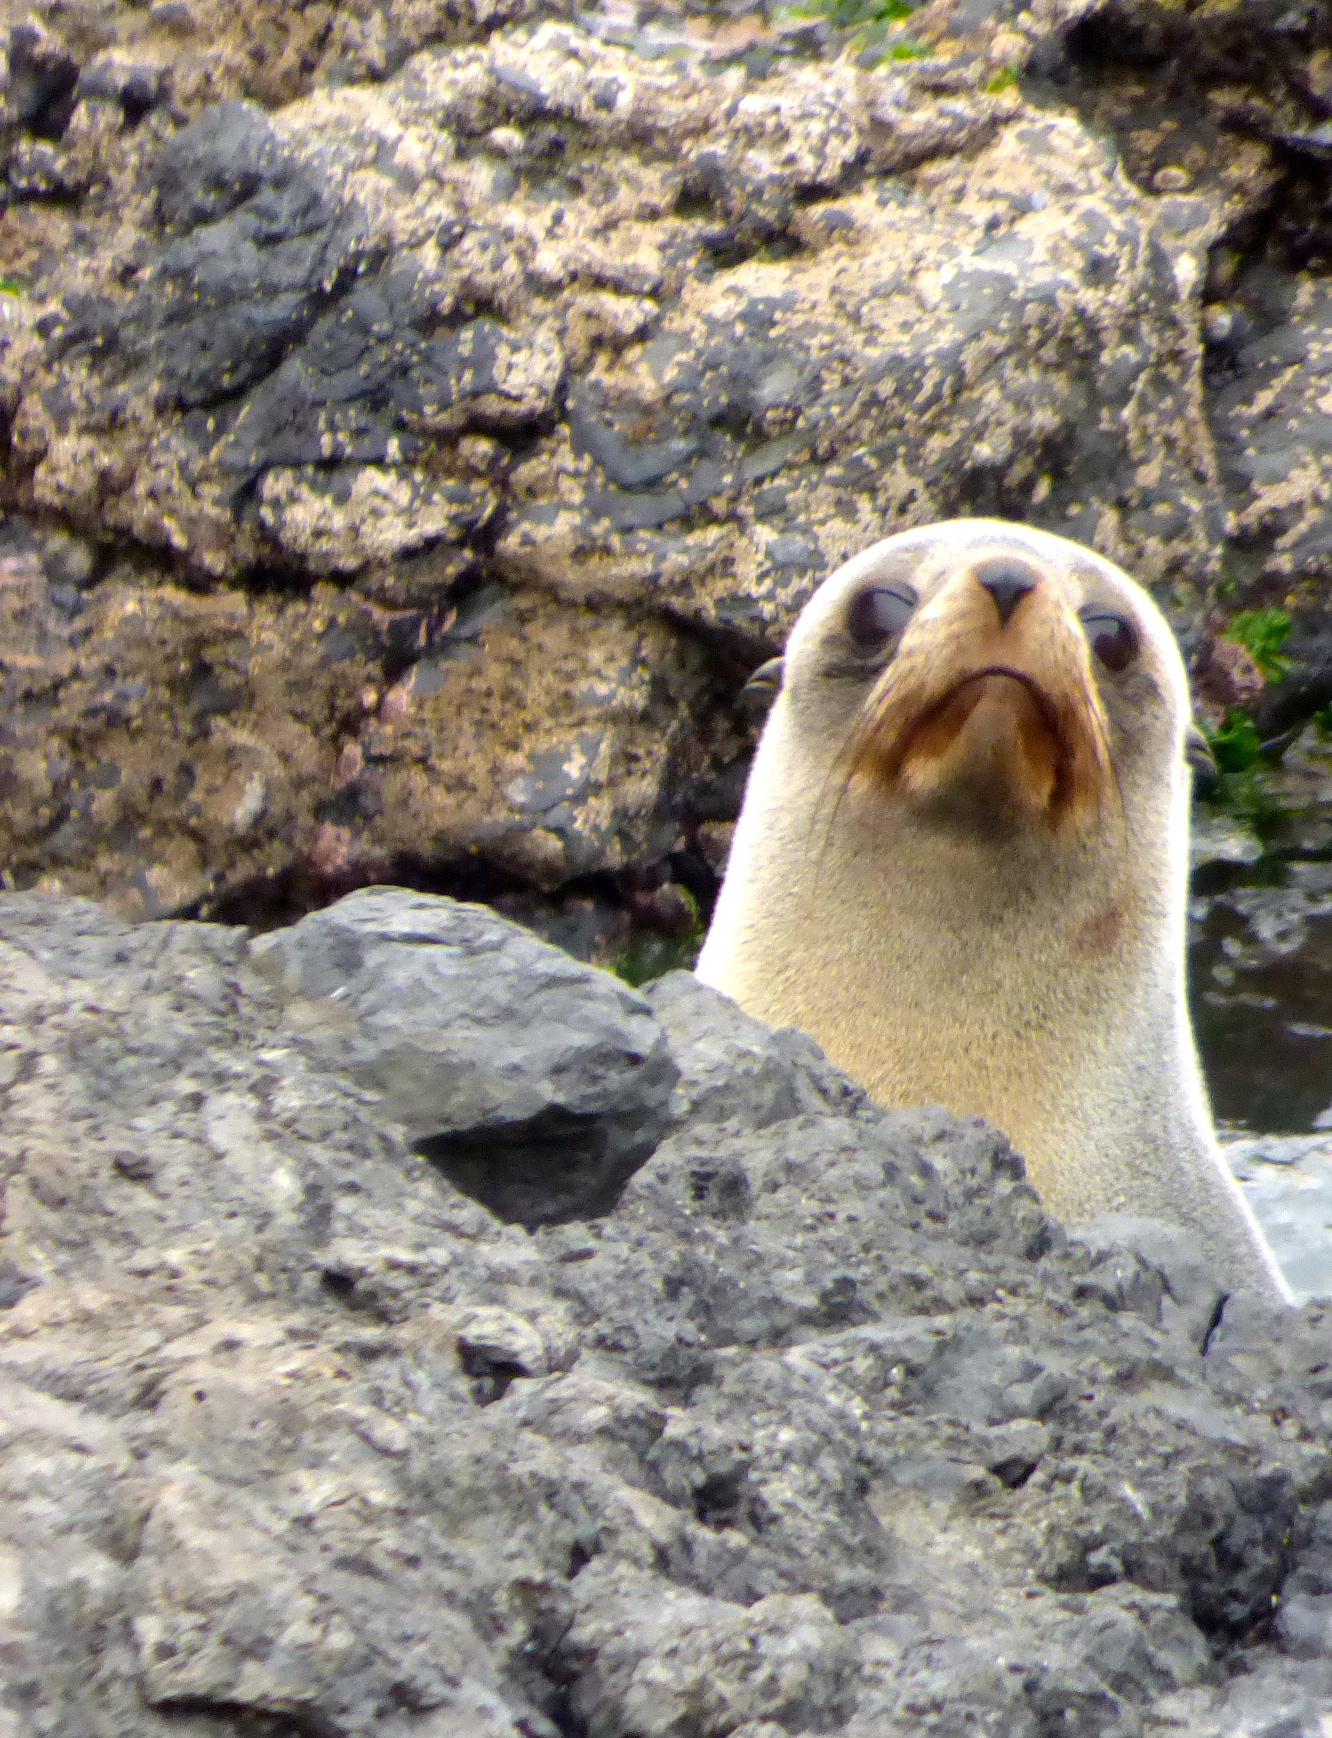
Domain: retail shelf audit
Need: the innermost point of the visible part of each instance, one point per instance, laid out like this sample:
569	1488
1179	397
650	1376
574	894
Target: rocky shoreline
416	421
819	1425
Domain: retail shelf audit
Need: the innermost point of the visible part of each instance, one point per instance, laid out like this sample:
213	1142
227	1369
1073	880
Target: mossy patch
873	26
651	956
648	954
1263	634
1235	744
1243	786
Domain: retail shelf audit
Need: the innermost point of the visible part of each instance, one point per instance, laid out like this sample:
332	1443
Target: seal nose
1007	582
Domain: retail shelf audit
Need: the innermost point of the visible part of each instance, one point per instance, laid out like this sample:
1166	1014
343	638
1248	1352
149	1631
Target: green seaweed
1243	785
870	26
1235	744
645	957
1247	796
1263	634
10	285
1006	79
647	954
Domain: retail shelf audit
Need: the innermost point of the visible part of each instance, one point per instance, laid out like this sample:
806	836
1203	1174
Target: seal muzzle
990	713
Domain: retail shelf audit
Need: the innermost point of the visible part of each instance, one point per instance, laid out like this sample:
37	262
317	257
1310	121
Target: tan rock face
164	732
168	746
1274	418
342	519
945	346
464	427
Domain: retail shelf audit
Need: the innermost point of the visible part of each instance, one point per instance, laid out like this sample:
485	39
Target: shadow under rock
555	1167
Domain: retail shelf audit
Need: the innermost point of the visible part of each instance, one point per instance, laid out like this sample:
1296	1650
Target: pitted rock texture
1275	428
1230	103
160	741
824	1427
518	387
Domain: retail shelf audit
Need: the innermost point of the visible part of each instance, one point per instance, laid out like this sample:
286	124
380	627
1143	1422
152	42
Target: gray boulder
536	1083
734	1069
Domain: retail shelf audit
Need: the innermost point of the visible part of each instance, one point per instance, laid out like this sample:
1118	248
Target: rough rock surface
424	414
559	1068
824	1427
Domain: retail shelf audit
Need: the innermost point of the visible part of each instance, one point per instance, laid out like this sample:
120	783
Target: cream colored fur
939	964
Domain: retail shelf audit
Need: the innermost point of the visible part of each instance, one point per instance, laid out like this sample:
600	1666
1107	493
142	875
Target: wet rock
1221	839
1259	956
819	1426
1288	1180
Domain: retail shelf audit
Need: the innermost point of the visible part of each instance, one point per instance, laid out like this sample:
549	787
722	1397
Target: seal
961	866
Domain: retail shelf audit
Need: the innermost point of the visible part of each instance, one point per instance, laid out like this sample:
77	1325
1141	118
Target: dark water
1260	957
1261	991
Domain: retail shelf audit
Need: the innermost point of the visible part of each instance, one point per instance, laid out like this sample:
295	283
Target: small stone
39	171
137	1167
1221	839
714	842
506	141
1220	323
669	909
67	559
494	1337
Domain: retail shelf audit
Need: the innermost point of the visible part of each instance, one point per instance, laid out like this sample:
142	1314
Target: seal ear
762	688
1198	753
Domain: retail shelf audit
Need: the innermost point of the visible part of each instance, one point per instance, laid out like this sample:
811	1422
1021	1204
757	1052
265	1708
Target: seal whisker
843	785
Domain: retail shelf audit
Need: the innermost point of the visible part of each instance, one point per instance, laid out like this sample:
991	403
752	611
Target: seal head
961	865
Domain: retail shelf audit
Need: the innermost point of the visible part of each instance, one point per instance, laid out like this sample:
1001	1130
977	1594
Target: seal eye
1112	639
879	613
